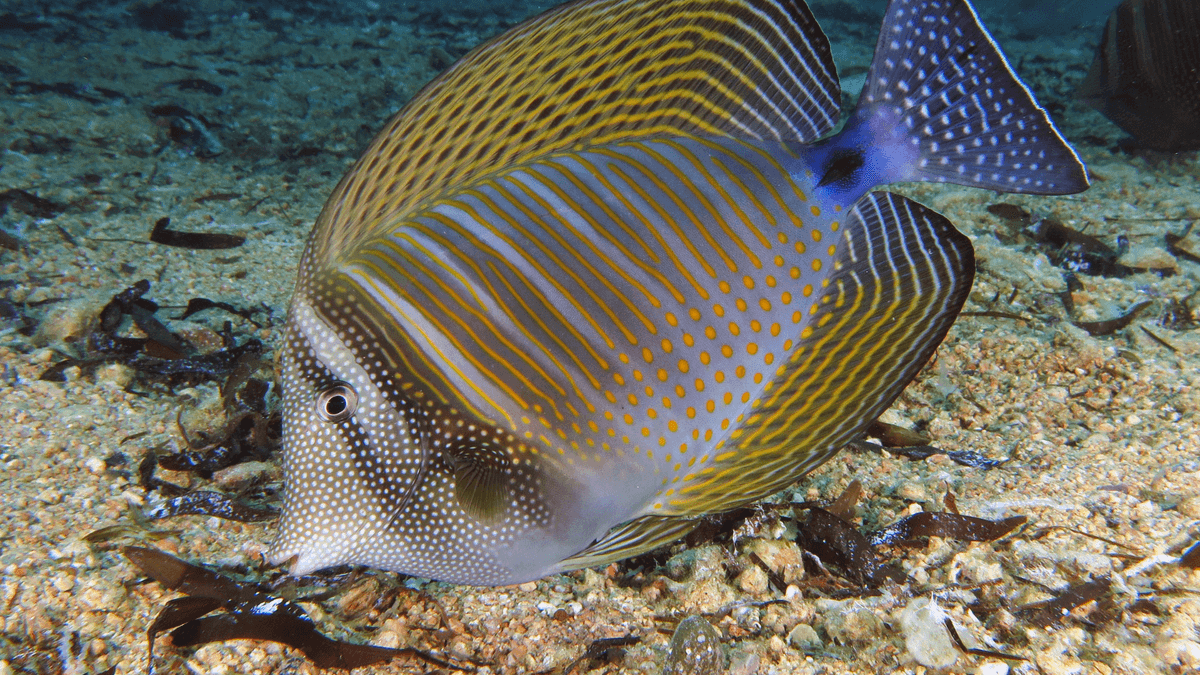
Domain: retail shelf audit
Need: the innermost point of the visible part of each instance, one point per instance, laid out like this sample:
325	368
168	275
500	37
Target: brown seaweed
1052	611
218	197
10	242
1110	326
1183	245
1076	251
197	84
893	436
251	614
197	305
79	92
834	541
1012	213
974	651
28	203
600	653
130	302
212	503
947	526
248	436
191	131
827	535
968	458
162	234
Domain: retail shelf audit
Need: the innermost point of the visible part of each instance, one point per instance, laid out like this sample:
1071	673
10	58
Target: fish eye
337	403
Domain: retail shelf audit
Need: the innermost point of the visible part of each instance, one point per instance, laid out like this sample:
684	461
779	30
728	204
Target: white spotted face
374	478
352	458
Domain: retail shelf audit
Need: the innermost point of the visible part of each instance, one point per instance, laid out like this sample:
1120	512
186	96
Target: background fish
1146	74
1046	17
599	279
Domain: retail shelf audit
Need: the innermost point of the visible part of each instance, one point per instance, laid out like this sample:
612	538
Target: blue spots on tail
940	77
941	104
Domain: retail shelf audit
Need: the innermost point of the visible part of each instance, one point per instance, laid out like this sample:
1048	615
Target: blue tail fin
942	104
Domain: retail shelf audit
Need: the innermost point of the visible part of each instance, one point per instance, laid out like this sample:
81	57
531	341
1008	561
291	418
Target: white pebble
925	634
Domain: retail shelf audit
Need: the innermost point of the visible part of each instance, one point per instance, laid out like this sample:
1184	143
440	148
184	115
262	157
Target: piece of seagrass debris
1054	610
827	535
600	653
161	355
162	233
250	614
1110	326
1146	73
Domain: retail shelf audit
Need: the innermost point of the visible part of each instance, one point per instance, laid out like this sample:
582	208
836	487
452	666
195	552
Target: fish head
382	471
353	454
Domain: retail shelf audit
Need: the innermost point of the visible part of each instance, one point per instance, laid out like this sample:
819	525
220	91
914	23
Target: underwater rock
1146	74
925	636
695	649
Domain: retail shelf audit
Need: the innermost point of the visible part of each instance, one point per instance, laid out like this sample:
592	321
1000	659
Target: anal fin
630	539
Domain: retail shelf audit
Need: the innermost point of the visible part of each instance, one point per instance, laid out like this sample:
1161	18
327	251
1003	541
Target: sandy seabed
1101	431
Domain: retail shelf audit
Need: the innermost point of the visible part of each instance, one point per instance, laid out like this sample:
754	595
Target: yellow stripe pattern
591	235
586	74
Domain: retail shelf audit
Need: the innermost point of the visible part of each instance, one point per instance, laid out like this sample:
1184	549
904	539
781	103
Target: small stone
913	492
1179	654
698	563
206	416
528	586
781	557
992	668
1189	506
68	323
925	635
1178	638
64	583
744	663
116	374
49	496
695	649
975	565
1149	258
709	596
1054	661
753	580
591	580
854	626
804	638
245	474
203	338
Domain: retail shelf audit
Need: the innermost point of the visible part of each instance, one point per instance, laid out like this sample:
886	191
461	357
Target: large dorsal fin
902	274
585	73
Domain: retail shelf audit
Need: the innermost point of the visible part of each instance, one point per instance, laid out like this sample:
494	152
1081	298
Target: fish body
1146	73
603	277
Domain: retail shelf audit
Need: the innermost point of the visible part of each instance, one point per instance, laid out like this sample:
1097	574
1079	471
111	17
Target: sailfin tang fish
603	276
1146	74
